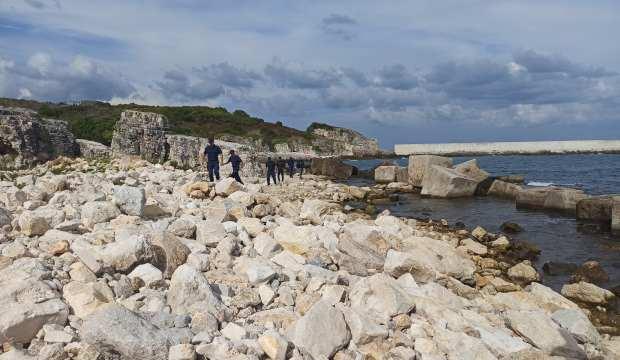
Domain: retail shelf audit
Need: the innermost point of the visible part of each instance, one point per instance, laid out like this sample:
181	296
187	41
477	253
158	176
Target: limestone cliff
342	142
141	133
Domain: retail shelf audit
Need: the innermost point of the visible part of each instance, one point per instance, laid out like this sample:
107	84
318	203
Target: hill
94	120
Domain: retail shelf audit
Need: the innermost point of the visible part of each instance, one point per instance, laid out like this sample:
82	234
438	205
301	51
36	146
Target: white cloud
40	62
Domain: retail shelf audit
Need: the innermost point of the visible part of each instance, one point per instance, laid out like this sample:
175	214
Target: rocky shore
130	260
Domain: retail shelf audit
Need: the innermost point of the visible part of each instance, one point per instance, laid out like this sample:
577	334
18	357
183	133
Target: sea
560	237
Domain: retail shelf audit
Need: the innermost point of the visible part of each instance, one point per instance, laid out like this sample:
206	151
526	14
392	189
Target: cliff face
343	142
26	138
141	133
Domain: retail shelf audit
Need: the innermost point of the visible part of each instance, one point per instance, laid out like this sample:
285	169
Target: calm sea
560	238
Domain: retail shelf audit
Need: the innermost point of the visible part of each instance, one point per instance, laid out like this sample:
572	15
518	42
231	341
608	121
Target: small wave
539	183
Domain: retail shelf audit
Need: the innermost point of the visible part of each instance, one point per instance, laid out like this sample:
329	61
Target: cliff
344	142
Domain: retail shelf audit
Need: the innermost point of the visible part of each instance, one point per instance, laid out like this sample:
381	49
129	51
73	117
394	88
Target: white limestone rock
130	200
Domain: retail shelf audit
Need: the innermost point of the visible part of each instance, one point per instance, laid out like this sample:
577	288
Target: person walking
213	155
281	164
300	166
235	161
291	166
271	171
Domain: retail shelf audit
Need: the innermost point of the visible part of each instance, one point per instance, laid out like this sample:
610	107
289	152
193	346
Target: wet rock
511	227
504	189
420	164
308	333
587	293
590	271
564	200
447	183
555	268
595	208
615	215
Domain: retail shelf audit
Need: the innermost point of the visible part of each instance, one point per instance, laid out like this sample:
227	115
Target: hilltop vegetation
94	120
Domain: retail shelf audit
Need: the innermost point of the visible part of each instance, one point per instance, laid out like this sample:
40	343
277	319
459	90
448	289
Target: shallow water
560	238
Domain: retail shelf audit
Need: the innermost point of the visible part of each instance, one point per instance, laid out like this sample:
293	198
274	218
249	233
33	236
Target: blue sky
401	71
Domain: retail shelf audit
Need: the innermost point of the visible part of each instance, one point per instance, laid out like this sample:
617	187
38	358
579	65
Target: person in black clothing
235	161
291	166
271	171
213	154
300	166
280	164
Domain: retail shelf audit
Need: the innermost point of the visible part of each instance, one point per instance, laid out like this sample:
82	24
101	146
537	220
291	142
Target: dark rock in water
595	208
524	250
554	268
590	271
460	225
142	134
370	209
333	168
511	227
513	179
483	187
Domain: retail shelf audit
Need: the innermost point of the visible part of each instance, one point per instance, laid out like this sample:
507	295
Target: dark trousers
291	171
235	175
301	171
213	168
271	174
280	174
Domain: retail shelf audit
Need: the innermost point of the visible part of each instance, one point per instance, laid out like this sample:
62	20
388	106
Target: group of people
275	169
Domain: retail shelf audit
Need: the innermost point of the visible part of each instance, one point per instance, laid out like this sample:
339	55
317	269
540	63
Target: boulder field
130	260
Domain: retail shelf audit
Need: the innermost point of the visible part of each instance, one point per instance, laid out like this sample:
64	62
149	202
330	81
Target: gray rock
380	297
471	169
130	200
447	183
190	292
385	174
420	164
577	324
587	293
97	212
309	332
210	232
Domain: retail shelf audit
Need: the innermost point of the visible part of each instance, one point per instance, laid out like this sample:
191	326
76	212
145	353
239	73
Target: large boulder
314	209
168	252
96	212
532	198
564	200
420	164
86	298
615	215
595	208
333	168
380	297
386	174
227	186
447	183
130	200
190	292
577	324
142	134
321	332
116	328
93	150
471	169
27	302
587	293
504	189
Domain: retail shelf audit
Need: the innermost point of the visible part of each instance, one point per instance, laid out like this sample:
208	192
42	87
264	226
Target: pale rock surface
273	344
227	186
86	298
587	293
380	297
577	324
190	292
420	164
447	183
130	200
97	212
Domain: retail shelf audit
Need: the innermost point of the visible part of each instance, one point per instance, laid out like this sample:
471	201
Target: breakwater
511	148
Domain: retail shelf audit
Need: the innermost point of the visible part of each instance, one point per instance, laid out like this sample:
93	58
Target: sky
400	71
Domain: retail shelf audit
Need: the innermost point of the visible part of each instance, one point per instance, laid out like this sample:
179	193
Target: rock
79	272
273	344
130	200
564	200
55	333
473	247
363	328
32	224
296	239
554	268
542	332
471	169
242	197
86	298
590	271
182	352
265	245
523	272
116	327
200	189
308	333
168	252
511	227
183	227
419	165
587	293
532	198
333	168
314	209
577	324
398	263
479	233
252	225
190	293
210	232
595	208
92	149
504	189
27	303
227	186
447	183
148	273
234	332
385	174
97	212
142	134
615	215
5	217
380	297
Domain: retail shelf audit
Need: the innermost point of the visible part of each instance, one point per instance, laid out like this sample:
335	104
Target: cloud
536	62
397	77
39	4
296	76
178	86
340	26
231	76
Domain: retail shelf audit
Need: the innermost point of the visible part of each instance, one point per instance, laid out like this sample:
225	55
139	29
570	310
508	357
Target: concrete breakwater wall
511	148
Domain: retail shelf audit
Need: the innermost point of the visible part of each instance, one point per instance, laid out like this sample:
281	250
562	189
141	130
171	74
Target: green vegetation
316	125
94	120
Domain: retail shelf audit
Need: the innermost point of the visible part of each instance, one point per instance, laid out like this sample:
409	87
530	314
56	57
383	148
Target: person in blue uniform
300	166
290	163
280	165
235	161
213	155
271	171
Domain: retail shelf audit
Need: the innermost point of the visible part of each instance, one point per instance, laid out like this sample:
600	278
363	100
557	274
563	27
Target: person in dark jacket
300	166
213	155
290	163
271	171
235	161
281	165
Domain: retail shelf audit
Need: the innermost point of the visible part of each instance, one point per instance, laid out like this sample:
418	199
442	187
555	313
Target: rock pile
141	261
